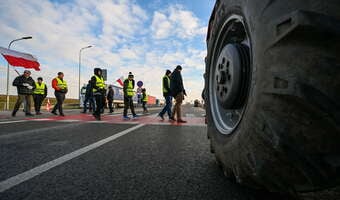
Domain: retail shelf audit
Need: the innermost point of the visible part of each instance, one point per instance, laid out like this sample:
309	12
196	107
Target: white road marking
25	176
190	115
42	119
12	122
68	120
96	122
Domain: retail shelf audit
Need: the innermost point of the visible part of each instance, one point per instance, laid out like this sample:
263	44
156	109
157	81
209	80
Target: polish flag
120	81
19	59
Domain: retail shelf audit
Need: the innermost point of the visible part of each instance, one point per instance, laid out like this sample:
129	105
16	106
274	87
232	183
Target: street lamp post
80	68
7	91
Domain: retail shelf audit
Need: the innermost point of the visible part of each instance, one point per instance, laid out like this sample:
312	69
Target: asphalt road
76	157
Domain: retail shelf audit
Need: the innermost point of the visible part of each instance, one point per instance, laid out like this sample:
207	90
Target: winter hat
96	70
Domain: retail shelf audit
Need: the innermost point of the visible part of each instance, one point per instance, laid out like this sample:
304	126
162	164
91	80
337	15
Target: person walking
39	94
60	90
25	86
145	99
129	85
110	95
178	92
98	89
89	98
167	96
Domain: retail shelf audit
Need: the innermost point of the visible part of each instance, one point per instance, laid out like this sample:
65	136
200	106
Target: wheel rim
230	75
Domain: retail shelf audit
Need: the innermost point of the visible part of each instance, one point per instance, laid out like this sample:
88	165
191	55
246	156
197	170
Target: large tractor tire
273	92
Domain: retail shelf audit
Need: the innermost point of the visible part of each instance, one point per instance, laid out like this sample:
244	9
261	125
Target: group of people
28	88
173	88
96	94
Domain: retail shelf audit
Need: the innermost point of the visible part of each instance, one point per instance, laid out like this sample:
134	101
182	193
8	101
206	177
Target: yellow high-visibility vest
61	83
99	83
129	89
145	98
39	89
165	90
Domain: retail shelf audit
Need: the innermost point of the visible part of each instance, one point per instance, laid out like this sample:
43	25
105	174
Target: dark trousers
60	100
128	103
167	107
38	99
110	102
99	106
103	104
91	103
144	106
21	98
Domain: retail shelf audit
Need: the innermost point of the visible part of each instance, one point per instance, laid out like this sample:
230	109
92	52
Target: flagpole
7	91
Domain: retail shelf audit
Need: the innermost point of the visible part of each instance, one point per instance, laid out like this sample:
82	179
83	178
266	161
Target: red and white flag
120	81
19	59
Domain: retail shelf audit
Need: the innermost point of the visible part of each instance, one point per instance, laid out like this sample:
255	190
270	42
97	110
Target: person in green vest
145	99
98	89
60	87
129	85
39	94
167	96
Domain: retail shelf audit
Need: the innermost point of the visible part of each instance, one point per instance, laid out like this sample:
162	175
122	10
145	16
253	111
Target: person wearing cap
110	95
129	85
145	99
60	90
98	89
167	96
178	92
25	86
39	94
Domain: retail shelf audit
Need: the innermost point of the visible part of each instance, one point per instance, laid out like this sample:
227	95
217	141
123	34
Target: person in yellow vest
145	99
167	96
60	87
98	89
39	94
129	85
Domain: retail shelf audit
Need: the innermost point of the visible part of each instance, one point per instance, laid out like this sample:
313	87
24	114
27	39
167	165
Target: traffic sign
140	84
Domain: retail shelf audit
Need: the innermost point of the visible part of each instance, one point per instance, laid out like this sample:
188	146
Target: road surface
76	157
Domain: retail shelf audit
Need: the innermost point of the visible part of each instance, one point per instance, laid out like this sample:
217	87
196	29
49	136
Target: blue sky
145	37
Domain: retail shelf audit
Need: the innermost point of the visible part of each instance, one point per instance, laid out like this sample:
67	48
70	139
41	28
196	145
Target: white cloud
161	26
176	21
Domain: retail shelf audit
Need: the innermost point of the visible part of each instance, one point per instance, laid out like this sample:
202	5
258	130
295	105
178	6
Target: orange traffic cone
48	105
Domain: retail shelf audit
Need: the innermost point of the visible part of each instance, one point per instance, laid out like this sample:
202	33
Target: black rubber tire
289	137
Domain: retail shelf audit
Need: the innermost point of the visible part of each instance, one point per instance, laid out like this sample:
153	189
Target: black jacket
176	83
126	83
88	92
110	94
166	86
20	80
